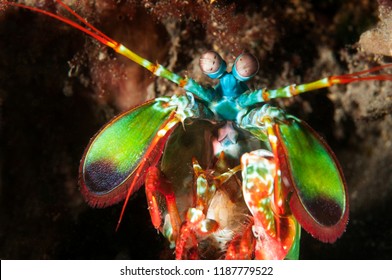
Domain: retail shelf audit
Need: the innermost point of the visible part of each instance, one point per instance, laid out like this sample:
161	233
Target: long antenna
95	33
155	68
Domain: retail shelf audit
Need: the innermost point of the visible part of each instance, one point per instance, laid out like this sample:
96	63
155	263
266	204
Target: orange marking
265	95
183	82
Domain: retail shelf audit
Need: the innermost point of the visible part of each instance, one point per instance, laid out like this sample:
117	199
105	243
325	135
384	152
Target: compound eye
245	67
212	64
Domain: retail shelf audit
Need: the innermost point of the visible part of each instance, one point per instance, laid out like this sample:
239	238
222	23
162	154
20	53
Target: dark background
58	87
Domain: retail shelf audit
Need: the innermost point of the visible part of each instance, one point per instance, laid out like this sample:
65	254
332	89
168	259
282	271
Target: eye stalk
245	67
212	64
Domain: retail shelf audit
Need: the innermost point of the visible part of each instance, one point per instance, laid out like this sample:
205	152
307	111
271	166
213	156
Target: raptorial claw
161	203
274	228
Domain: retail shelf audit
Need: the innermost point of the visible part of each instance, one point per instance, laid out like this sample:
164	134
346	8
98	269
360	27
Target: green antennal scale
118	149
226	174
320	194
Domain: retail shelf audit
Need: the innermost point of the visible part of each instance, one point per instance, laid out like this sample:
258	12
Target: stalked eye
212	64
245	67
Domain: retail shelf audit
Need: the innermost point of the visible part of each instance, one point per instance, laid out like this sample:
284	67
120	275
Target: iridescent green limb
311	171
116	151
312	165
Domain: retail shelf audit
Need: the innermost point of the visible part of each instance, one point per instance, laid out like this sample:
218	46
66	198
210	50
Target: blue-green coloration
114	156
163	141
115	153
